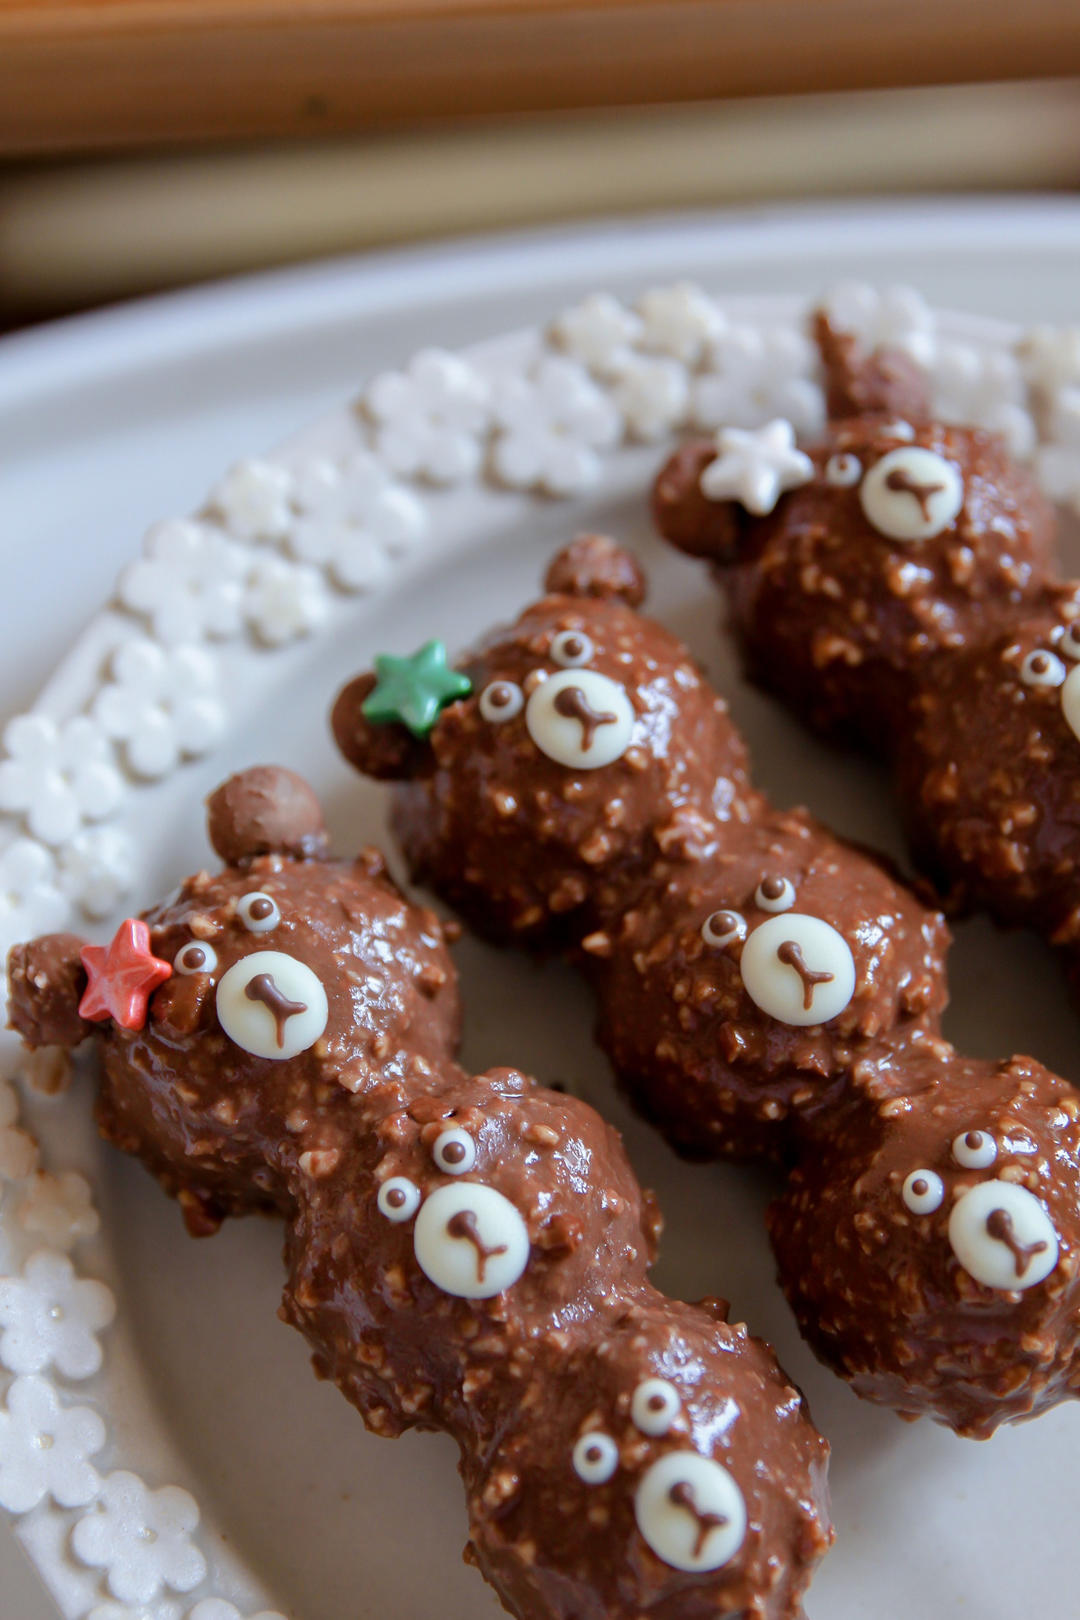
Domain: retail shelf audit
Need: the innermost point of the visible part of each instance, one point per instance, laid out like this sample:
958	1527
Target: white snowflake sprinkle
45	1448
161	704
189	583
253	500
1050	357
141	1539
982	388
58	776
218	1609
884	318
680	321
430	418
18	1150
96	869
600	332
58	1209
756	376
284	601
652	395
1064	417
1057	468
755	468
30	902
50	1317
553	423
353	516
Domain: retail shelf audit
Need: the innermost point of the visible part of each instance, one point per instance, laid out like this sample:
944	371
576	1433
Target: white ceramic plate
302	1511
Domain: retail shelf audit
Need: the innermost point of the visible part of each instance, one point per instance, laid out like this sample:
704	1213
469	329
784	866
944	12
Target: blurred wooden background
145	143
83	73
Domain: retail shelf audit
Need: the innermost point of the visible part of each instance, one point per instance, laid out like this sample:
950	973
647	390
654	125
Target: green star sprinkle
411	691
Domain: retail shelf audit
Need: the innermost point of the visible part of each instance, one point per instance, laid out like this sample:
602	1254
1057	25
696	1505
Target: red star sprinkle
122	977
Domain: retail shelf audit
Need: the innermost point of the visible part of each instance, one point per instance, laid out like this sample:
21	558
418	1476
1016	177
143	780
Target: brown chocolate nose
999	1225
572	703
263	989
464	1225
790	953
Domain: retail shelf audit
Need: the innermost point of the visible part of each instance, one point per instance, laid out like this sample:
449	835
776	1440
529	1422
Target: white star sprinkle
756	466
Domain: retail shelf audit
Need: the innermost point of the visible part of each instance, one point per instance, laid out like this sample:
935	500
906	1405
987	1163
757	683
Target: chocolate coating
262	809
593	565
915	651
879	1291
711	926
385	1288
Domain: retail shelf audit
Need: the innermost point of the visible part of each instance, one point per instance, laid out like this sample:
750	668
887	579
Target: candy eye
655	1406
258	912
1070	641
195	957
501	701
571	649
975	1150
454	1151
595	1457
843	471
1042	668
911	494
774	893
399	1198
722	928
923	1192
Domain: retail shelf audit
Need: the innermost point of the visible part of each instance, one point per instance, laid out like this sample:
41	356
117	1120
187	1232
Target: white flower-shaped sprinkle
884	318
755	376
756	468
162	704
600	332
984	388
189	583
284	601
1050	357
121	1611
50	1317
58	1209
652	395
141	1539
1057	468
353	517
431	417
58	775
30	902
680	321
1064	417
218	1609
553	422
97	869
18	1150
45	1448
253	500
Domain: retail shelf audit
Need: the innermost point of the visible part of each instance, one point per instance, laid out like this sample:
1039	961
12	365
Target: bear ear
686	517
266	810
593	565
46	980
385	750
884	382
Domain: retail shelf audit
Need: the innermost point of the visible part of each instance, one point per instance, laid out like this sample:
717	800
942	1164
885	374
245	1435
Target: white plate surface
110	422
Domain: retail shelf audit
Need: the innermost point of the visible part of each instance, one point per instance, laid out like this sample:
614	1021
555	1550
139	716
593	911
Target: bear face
989	772
643	1452
589	746
246	1011
930	1247
739	1000
901	542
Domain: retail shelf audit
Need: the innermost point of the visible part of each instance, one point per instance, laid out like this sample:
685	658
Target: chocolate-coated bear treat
764	989
900	593
466	1252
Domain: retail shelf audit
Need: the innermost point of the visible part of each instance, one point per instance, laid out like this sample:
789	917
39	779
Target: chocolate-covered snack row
764	990
900	593
465	1252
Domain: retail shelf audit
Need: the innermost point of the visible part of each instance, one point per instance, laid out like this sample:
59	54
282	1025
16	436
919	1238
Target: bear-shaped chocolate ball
931	1247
